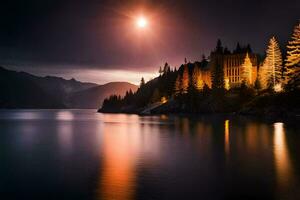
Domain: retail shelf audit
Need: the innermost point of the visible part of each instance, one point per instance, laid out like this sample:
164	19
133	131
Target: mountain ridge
25	90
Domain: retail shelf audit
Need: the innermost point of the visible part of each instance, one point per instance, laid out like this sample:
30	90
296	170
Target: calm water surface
80	154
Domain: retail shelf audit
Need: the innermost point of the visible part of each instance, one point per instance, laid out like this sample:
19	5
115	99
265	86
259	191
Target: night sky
98	41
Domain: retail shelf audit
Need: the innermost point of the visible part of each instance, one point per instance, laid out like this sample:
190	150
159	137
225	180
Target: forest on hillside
274	91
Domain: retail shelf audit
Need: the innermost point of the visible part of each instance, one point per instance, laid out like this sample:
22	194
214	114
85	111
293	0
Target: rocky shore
273	106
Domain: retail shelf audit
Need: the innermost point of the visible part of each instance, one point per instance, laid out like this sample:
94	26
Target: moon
141	22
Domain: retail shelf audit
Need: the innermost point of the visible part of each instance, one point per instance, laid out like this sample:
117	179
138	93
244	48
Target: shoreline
273	118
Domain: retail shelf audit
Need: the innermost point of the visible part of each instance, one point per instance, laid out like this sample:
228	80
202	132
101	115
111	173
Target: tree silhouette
166	68
249	49
185	79
238	48
217	77
142	82
219	47
177	87
160	71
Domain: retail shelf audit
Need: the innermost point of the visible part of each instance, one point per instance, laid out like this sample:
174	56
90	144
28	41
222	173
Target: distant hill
93	97
24	90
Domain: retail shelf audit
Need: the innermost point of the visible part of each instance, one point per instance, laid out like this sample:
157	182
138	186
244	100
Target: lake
81	154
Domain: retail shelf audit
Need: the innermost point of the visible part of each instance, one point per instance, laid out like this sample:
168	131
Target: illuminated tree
227	84
185	79
197	81
293	58
264	74
247	70
274	62
177	88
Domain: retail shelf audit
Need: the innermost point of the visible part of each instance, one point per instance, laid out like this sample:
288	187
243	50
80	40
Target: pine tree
177	88
247	70
197	81
217	77
274	62
270	73
264	74
293	58
185	79
160	71
142	82
249	49
166	68
219	47
238	48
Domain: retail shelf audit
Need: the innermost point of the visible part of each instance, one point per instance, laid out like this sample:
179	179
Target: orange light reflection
227	141
282	159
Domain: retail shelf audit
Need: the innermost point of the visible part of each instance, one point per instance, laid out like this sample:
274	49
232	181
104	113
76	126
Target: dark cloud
95	34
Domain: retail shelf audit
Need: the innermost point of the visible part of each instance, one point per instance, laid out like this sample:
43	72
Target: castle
233	64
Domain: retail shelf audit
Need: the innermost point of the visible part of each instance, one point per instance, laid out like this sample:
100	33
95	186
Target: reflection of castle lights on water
227	142
120	152
122	144
282	158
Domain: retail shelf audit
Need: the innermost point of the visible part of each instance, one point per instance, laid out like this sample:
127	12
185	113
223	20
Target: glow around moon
142	22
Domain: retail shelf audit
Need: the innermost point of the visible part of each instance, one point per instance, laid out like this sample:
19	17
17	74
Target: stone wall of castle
232	65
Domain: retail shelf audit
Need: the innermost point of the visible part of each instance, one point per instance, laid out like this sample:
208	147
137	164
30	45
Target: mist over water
81	154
